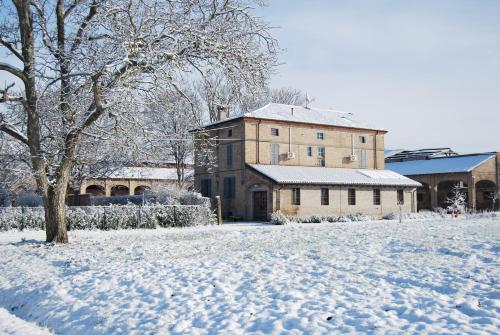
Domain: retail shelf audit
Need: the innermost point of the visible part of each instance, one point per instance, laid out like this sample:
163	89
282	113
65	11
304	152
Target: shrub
278	218
330	218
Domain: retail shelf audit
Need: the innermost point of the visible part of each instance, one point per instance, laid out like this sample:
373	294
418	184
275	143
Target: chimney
222	112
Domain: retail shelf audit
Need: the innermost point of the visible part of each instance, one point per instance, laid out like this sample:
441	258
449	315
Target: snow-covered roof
150	173
391	152
283	174
453	164
411	155
301	114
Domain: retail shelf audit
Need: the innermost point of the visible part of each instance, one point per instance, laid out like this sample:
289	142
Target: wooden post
219	210
400	212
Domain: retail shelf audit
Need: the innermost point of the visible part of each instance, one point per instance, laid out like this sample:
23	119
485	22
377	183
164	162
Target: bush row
112	217
278	218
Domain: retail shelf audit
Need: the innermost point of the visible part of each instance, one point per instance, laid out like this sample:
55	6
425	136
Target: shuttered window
362	159
401	197
229	156
351	197
295	196
376	196
275	153
206	188
229	187
325	197
321	156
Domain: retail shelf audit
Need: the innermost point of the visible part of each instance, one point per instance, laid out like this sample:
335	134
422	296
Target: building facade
477	174
134	181
301	161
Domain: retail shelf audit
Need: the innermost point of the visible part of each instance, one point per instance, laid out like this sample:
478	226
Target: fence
111	217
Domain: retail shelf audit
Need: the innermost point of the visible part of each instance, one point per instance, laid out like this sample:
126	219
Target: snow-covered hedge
111	217
280	219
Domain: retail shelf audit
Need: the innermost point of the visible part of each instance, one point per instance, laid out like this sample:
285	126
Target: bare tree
495	198
98	56
457	200
283	95
288	96
169	119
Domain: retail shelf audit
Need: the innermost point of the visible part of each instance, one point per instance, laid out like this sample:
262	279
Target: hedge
110	217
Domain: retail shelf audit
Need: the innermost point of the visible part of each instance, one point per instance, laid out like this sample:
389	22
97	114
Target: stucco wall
296	138
338	205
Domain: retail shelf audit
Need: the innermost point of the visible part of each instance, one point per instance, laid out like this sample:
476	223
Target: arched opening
423	197
445	191
119	190
95	190
140	190
485	193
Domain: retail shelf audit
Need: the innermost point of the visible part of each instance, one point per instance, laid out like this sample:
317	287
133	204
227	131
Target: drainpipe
258	142
497	172
290	139
340	201
352	144
278	198
375	163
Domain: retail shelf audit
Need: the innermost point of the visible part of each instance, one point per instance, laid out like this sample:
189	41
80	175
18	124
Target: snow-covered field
329	278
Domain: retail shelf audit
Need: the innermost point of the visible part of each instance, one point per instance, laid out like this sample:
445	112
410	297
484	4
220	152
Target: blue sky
427	71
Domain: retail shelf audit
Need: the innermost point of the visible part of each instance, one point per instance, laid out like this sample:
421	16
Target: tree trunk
55	215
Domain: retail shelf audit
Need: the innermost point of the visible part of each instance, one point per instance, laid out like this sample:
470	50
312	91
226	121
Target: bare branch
12	48
13	70
12	131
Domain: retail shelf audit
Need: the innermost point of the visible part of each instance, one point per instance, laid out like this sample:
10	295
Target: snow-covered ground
329	278
12	325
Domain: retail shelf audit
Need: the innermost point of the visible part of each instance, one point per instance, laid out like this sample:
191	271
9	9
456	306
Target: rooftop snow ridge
301	114
285	174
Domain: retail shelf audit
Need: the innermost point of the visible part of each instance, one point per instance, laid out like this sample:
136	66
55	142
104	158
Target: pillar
130	189
471	190
83	187
107	189
433	189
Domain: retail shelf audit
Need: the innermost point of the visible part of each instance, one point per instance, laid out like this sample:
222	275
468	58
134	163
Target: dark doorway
260	206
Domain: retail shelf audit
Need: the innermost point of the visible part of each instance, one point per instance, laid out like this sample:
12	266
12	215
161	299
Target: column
433	189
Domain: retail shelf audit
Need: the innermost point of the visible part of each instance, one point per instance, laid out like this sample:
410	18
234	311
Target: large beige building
301	161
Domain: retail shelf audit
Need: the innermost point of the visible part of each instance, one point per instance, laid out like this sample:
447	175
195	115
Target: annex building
301	161
439	170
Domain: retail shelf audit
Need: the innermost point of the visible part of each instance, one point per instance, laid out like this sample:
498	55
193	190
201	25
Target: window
362	139
229	133
275	132
376	197
309	151
351	197
206	188
275	153
325	197
295	196
362	159
229	155
401	197
229	187
321	156
320	136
